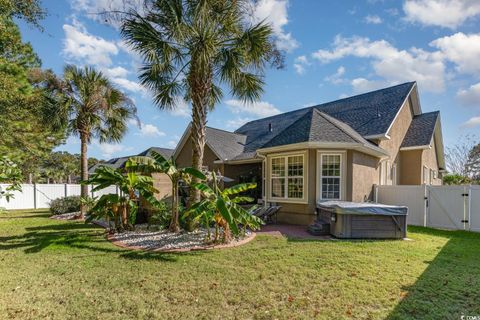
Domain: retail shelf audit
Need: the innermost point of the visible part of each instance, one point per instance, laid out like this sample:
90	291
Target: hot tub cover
365	208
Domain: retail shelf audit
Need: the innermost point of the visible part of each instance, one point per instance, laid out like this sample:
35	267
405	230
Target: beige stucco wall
397	134
411	167
429	159
184	157
364	174
162	183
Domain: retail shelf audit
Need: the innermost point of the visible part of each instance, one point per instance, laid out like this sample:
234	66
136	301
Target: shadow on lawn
449	287
78	236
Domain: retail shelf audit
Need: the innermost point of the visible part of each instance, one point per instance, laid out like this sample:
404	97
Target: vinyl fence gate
443	207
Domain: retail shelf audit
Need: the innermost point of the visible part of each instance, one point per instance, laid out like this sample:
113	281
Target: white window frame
320	155
285	156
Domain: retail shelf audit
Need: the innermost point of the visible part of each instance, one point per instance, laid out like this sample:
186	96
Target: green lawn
56	269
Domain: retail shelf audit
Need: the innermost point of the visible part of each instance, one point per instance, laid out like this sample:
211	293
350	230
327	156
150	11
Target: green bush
160	214
65	205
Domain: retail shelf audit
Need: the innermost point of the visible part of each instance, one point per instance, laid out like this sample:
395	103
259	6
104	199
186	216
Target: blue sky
333	49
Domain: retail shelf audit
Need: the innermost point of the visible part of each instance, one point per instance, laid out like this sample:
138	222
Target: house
336	150
160	181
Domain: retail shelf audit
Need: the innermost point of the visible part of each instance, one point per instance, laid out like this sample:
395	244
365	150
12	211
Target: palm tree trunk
174	225
83	171
199	123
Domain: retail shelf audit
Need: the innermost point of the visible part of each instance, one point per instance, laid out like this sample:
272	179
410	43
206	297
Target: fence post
34	196
66	192
426	205
469	207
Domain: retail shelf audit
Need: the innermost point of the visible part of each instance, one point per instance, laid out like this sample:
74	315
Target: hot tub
351	220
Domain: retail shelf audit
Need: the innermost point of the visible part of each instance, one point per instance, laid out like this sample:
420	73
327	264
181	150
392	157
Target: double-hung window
287	177
331	176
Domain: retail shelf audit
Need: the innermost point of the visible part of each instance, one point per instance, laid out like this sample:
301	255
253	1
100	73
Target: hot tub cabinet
349	220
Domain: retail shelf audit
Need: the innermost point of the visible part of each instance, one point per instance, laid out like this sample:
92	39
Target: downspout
264	178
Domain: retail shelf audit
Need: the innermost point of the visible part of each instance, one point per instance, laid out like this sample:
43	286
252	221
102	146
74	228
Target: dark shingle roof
226	144
421	130
116	163
345	120
368	114
166	153
315	126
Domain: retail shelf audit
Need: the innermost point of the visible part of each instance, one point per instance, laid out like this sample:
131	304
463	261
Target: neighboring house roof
116	163
421	130
166	153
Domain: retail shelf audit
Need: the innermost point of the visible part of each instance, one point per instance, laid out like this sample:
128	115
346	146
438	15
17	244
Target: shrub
65	205
160	214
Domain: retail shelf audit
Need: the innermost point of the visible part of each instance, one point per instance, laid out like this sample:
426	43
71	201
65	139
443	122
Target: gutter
427	146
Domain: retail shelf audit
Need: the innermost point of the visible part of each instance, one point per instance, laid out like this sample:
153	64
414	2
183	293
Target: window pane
278	167
331	165
295	166
295	188
278	187
331	188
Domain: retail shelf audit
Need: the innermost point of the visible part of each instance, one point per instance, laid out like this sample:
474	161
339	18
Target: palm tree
158	164
90	107
191	48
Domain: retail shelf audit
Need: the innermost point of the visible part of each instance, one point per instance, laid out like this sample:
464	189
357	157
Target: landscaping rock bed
66	216
143	239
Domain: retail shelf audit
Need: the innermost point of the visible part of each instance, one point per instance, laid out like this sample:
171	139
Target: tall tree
457	156
473	163
89	106
191	48
23	137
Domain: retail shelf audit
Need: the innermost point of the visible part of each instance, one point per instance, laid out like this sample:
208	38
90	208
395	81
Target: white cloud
150	130
441	13
300	63
472	122
112	150
96	9
237	123
470	96
79	45
129	85
373	19
361	85
181	109
275	13
390	63
116	72
461	49
336	78
259	108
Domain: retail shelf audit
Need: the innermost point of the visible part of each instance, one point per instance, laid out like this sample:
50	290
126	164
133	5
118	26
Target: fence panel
107	190
411	196
73	189
447	208
39	195
474	204
47	193
24	199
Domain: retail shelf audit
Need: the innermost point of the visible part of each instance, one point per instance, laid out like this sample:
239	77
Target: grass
60	270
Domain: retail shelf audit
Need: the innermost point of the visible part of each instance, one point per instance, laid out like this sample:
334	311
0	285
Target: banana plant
122	208
156	163
222	208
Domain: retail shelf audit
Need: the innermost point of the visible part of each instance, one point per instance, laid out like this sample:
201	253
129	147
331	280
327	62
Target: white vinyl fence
38	196
444	207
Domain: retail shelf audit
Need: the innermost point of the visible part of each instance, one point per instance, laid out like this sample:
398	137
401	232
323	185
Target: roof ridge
330	118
